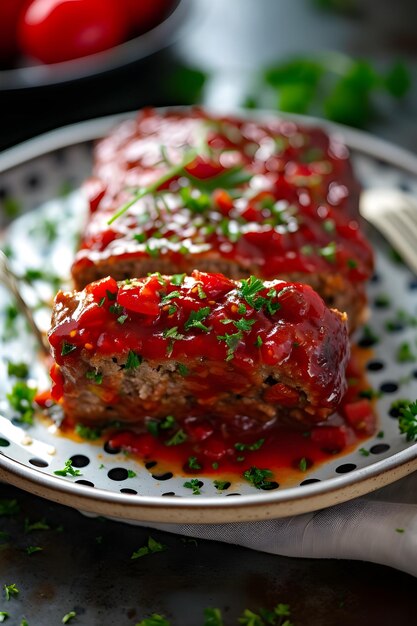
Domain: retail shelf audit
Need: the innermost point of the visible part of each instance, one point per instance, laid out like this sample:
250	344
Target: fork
394	214
10	281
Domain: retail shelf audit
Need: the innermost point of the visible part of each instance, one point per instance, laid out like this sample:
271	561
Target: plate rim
201	509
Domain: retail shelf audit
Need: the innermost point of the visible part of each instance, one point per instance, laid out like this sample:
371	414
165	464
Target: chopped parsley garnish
101	301
303	464
201	293
258	342
232	342
221	485
407	420
370	393
140	237
177	279
116	309
97	377
18	370
11	591
111	295
9	508
169	296
249	288
131	473
33	549
259	478
405	354
250	446
178	438
381	434
172	333
39	525
151	547
244	324
241	309
133	360
67	348
400	530
88	433
21	400
183	369
193	463
122	318
329	226
382	300
212	617
3	616
364	452
196	318
328	252
68	470
167	423
352	264
195	485
68	617
154	620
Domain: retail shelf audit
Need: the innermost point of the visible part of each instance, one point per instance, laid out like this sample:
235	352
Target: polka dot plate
38	189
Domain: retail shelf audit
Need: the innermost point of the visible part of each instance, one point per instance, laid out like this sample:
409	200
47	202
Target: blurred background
353	61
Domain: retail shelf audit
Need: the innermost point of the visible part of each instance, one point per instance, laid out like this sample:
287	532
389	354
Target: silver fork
394	214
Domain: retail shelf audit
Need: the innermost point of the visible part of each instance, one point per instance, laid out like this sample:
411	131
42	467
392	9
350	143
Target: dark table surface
85	563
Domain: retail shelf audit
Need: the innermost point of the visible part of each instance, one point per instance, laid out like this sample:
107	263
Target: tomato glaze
273	197
251	344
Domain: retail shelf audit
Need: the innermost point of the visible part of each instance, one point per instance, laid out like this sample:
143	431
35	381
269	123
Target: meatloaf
201	344
273	199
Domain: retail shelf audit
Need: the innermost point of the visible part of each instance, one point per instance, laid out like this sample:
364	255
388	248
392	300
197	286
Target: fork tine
394	214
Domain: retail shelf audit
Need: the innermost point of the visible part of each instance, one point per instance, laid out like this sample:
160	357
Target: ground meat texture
201	345
273	199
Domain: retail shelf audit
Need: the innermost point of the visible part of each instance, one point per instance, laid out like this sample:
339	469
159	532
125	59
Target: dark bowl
164	34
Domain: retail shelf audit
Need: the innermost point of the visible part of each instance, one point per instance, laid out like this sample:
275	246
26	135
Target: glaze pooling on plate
38	451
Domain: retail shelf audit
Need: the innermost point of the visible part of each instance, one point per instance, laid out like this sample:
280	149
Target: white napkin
380	528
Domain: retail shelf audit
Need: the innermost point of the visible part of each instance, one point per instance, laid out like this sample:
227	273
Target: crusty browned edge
335	289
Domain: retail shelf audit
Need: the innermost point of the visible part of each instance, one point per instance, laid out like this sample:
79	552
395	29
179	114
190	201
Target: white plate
33	174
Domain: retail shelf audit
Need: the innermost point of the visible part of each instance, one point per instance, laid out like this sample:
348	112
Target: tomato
9	17
360	416
145	14
59	30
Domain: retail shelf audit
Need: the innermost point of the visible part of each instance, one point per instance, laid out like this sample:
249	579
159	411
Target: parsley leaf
88	433
407	420
11	591
212	617
21	400
196	318
68	617
258	477
177	439
195	485
151	547
68	470
67	348
133	360
154	620
232	342
18	370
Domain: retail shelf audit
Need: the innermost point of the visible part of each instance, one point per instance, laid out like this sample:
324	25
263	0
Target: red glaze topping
274	196
243	328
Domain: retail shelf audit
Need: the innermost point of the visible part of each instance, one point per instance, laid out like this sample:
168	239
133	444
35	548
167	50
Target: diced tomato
360	416
202	168
145	299
57	390
223	201
102	288
282	394
330	438
214	449
143	444
94	189
44	399
214	285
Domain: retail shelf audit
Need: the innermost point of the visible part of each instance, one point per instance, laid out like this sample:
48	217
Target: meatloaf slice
274	199
197	345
